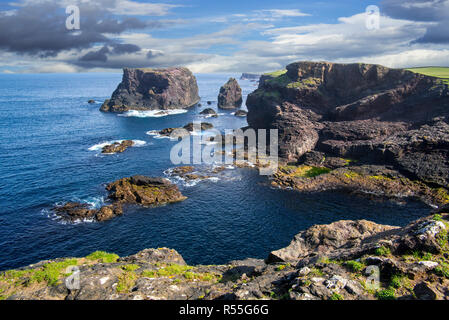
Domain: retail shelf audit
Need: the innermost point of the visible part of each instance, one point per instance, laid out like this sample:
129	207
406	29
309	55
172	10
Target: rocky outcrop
75	211
241	113
230	96
368	113
141	190
346	260
146	191
117	147
209	112
154	89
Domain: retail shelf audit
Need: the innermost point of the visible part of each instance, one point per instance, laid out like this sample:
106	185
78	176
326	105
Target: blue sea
50	143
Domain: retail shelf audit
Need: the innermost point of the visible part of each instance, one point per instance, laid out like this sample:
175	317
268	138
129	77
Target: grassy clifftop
439	72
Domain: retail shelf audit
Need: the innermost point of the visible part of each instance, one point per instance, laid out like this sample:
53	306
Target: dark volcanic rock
117	147
209	112
359	111
154	89
145	191
204	126
73	211
241	113
230	96
91	101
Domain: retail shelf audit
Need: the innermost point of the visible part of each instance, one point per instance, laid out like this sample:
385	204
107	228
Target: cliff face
327	262
365	112
154	89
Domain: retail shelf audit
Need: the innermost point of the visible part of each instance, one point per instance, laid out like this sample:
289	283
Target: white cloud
126	7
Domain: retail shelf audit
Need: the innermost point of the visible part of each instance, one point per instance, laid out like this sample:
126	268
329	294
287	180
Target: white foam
100	146
155	134
152	113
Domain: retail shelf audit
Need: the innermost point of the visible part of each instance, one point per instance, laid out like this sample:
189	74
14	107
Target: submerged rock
146	191
154	89
117	147
230	96
91	101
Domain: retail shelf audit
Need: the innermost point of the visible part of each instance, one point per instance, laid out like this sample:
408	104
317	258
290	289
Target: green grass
382	251
49	272
439	72
336	296
130	267
442	270
386	294
103	256
355	266
276	73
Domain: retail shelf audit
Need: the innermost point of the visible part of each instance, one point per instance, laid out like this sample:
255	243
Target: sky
219	36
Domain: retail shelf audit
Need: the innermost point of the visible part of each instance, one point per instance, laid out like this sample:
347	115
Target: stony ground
340	261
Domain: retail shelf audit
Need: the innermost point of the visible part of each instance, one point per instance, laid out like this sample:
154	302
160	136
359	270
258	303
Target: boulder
146	191
154	89
230	96
74	211
204	126
209	112
240	113
117	147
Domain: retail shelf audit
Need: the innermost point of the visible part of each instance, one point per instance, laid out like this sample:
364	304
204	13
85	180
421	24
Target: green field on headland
439	72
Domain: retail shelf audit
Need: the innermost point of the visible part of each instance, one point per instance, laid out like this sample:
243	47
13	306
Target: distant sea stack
154	89
250	76
230	96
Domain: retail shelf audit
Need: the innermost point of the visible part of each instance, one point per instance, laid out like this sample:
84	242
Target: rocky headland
357	127
346	260
230	96
154	89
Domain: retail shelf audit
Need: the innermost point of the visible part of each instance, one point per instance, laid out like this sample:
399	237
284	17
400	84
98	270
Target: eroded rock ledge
330	262
154	89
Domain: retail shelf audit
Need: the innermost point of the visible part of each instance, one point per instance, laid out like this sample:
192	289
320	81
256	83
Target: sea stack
230	96
154	89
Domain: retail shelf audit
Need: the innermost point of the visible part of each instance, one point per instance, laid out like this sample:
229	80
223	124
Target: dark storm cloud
100	55
432	11
39	28
120	48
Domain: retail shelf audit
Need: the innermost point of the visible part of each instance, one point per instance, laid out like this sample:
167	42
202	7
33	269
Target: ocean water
50	143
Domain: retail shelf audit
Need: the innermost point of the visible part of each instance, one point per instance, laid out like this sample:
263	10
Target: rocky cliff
346	260
363	112
154	89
